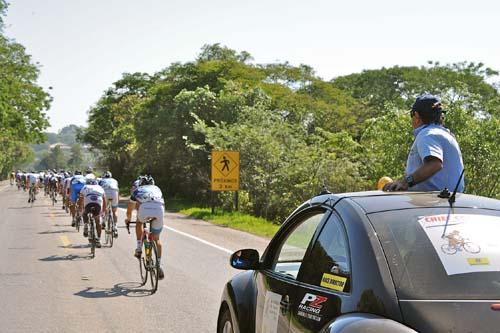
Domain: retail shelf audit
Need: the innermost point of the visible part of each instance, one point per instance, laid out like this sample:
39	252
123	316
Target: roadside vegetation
235	220
295	131
22	103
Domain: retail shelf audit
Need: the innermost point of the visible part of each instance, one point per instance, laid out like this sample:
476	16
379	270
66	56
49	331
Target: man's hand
398	185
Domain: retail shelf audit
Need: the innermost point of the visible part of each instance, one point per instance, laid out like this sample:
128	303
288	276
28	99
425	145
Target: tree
76	159
22	102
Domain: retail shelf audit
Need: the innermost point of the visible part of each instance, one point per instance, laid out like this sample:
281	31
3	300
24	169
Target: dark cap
427	104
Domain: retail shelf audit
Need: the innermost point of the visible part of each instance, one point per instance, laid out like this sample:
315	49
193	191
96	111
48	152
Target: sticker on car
334	282
271	312
465	243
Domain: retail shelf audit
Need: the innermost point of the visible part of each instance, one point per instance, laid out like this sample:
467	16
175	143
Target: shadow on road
127	289
69	257
75	246
48	232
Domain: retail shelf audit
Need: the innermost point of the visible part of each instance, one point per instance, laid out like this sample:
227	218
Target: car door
323	280
277	281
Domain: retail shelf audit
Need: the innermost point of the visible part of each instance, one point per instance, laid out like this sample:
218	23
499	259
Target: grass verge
235	220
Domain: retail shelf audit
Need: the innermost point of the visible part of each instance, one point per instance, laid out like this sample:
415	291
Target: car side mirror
245	259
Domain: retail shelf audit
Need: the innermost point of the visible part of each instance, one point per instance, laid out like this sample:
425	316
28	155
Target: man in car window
435	160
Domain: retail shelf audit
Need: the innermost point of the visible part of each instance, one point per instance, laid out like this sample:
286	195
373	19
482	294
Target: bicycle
92	231
53	196
78	219
148	263
32	195
109	225
460	244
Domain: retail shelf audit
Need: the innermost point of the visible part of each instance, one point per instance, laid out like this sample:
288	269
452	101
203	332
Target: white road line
200	240
195	238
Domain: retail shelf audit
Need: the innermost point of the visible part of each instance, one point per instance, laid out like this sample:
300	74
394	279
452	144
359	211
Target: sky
83	46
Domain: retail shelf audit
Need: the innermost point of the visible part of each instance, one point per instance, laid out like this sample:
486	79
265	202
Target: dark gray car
373	262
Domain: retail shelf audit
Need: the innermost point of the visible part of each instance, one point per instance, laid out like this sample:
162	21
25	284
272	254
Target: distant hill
66	136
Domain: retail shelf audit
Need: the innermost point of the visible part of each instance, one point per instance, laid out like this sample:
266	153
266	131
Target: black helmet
78	172
147	180
107	174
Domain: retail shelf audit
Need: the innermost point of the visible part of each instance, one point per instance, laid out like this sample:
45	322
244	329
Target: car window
328	264
292	249
427	264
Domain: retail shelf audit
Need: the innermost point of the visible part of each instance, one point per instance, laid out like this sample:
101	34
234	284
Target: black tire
110	229
106	231
77	223
143	269
225	322
154	268
92	237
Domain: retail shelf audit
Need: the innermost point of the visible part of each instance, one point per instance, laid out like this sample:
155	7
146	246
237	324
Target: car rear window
428	261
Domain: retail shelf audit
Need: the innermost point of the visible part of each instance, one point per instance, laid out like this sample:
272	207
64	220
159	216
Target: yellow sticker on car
334	282
478	261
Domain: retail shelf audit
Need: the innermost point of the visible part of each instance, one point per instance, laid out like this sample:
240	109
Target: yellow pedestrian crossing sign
225	170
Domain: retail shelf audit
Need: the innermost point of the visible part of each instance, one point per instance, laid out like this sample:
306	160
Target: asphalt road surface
49	283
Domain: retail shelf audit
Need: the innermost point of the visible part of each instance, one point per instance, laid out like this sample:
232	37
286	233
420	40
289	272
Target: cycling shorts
112	197
88	208
152	209
75	192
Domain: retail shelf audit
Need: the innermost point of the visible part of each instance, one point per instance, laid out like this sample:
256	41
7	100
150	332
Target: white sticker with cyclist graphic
469	243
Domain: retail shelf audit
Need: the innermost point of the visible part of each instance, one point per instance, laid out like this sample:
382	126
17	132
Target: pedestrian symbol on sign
225	171
226	162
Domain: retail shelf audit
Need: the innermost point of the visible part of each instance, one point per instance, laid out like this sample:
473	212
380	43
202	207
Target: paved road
48	283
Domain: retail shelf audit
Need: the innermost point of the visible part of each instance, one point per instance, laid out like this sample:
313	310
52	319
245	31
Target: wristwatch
409	180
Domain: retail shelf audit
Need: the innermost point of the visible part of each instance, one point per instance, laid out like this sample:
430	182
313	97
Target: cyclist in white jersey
32	182
92	200
148	200
110	186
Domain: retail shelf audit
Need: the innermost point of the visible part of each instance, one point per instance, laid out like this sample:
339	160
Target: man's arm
431	166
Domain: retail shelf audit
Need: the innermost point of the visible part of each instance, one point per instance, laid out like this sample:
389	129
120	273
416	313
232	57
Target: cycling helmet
89	169
147	180
107	174
78	172
90	176
91	181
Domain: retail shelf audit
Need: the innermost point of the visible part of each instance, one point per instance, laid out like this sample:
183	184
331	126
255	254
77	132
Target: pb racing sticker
310	306
334	282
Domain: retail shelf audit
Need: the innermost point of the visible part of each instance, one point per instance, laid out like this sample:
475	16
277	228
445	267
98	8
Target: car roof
379	201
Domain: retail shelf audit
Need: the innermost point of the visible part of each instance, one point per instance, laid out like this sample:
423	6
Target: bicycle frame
148	263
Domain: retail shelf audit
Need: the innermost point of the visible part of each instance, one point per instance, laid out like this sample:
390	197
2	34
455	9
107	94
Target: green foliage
295	132
53	159
22	102
235	220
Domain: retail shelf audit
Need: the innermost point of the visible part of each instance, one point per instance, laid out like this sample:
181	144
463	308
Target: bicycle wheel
471	247
32	198
446	248
92	237
106	231
154	267
109	227
77	222
143	266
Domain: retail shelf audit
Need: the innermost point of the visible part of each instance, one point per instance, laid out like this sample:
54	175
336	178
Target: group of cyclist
84	194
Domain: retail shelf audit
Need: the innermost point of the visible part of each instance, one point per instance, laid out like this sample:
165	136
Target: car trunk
451	316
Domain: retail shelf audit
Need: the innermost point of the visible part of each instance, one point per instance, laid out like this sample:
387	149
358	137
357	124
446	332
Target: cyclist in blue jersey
76	184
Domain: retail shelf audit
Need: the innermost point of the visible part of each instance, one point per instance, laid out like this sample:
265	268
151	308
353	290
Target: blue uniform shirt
435	140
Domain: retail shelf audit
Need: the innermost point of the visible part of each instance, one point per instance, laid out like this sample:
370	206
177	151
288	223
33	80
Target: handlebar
148	220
